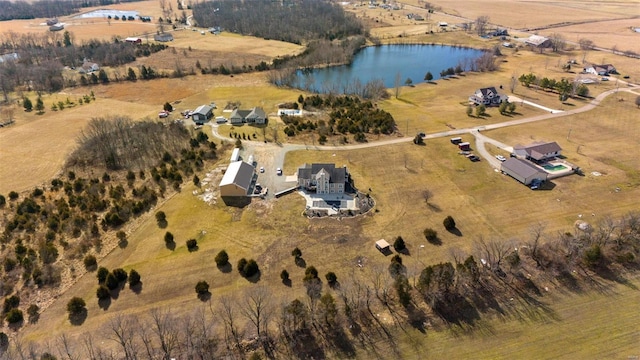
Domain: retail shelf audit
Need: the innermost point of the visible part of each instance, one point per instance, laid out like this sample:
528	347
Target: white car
261	169
501	158
278	171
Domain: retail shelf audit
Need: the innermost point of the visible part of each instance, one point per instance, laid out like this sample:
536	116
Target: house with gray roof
253	116
538	41
523	170
323	178
538	152
488	96
237	180
202	114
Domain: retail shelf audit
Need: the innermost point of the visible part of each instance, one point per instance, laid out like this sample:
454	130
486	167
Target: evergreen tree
28	105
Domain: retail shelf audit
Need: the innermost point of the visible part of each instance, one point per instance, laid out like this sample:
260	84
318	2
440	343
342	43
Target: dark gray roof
521	167
538	150
255	113
239	173
203	110
488	91
308	171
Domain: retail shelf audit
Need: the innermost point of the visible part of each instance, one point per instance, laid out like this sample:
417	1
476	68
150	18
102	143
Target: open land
484	202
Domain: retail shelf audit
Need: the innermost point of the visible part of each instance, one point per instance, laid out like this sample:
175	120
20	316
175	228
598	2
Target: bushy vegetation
564	88
296	22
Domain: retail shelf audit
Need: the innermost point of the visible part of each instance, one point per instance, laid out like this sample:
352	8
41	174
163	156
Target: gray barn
523	171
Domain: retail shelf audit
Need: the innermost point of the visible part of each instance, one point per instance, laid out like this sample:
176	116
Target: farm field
596	322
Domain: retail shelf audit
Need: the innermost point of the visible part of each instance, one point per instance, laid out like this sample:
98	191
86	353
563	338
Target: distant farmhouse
601	70
163	37
133	40
488	96
323	178
538	152
538	41
253	116
202	114
88	67
9	57
56	27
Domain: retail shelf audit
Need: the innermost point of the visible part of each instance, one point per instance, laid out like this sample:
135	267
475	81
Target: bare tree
481	24
493	251
165	328
397	84
122	330
586	44
257	308
233	334
513	83
536	232
427	195
64	347
558	42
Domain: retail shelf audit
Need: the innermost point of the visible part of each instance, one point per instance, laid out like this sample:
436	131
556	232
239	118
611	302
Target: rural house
522	170
237	180
202	114
133	40
538	41
487	96
88	67
538	152
601	70
323	178
253	116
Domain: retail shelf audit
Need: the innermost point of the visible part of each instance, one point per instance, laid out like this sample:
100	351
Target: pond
103	13
387	63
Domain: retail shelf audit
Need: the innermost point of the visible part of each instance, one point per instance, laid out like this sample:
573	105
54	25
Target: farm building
202	114
382	245
522	170
538	152
88	67
464	146
133	40
538	41
235	155
56	27
253	116
487	96
237	180
163	37
456	140
323	178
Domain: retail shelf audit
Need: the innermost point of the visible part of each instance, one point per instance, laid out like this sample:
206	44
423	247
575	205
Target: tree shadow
115	293
404	251
255	278
434	207
567	280
92	268
455	231
16	326
456	309
300	262
435	241
287	282
137	288
122	244
341	342
304	345
334	285
79	318
204	297
226	268
33	319
193	248
416	317
163	224
104	303
171	245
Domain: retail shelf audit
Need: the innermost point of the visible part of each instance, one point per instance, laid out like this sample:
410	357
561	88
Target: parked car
261	169
535	184
604	79
278	171
473	157
163	114
501	158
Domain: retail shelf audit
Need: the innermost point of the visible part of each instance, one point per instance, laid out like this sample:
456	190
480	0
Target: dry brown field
608	34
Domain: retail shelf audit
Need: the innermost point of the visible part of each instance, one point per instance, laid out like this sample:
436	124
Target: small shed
456	140
382	245
163	37
464	146
202	114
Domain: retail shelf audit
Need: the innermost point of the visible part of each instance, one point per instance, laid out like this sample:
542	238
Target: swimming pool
554	167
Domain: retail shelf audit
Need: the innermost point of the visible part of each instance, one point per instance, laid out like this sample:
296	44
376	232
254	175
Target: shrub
10	303
251	268
14	316
120	275
33	310
13	195
399	244
111	282
3	201
102	274
297	253
103	292
76	306
161	219
222	258
241	264
449	223
310	273
134	278
593	256
430	234
284	275
90	262
168	238
192	244
331	278
202	288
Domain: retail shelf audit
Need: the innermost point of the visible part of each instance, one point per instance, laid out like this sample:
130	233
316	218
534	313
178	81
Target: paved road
275	153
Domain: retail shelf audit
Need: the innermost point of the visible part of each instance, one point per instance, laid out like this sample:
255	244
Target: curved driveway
277	152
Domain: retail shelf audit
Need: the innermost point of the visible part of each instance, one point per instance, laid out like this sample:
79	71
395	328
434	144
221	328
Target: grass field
483	202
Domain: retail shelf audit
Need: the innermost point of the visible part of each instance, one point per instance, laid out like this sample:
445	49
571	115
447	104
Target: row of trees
563	87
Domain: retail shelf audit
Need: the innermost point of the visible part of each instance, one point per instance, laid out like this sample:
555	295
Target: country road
275	153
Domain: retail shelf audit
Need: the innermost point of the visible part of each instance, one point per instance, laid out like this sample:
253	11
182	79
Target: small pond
386	63
103	13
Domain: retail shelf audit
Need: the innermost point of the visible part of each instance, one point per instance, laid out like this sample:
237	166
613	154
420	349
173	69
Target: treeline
41	58
11	10
45	231
293	21
563	87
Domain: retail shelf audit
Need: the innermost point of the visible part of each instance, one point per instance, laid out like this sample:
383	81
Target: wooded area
10	10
